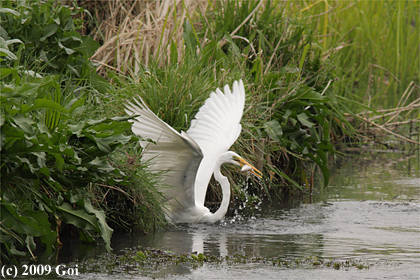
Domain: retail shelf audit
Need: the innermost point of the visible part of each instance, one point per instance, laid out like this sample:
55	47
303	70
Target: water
370	213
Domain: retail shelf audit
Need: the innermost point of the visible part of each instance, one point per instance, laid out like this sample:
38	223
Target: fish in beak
246	166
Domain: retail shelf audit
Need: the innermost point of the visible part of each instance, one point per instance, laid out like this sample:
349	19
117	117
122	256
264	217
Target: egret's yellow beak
249	166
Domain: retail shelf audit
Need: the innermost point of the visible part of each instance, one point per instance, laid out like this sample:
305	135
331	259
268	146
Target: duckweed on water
148	261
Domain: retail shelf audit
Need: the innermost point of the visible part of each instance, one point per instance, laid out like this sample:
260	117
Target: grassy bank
314	82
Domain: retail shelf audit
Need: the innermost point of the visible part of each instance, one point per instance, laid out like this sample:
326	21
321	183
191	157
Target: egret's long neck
224	184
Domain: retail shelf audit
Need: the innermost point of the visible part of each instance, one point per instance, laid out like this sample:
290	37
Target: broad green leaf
75	103
23	160
103	164
45	170
45	104
303	119
24	123
77	129
102	144
314	96
72	36
67	50
48	31
41	158
273	129
87	218
78	217
88	46
24	220
59	161
28	89
106	231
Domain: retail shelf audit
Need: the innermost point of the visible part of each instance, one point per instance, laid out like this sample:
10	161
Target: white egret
190	158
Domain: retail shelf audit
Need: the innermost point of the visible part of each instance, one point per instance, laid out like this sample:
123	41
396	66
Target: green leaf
67	50
28	89
88	46
24	220
44	104
273	129
4	72
303	119
314	96
87	218
24	123
59	161
174	53
102	164
76	103
48	31
9	11
13	41
78	217
105	230
8	54
302	58
2	118
41	158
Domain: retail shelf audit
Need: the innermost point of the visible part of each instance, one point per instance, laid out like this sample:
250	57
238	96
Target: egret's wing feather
215	128
217	123
176	153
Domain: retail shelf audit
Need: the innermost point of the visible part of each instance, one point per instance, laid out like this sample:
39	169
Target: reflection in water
285	232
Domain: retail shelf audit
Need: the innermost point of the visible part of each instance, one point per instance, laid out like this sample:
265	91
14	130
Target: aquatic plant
151	262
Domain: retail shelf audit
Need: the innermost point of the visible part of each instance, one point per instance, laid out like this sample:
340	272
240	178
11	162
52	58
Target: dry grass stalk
395	115
389	131
134	31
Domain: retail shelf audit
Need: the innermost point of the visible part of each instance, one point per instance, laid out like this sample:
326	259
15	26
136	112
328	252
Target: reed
133	32
375	52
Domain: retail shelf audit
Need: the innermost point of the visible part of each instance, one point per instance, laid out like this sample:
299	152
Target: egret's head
246	166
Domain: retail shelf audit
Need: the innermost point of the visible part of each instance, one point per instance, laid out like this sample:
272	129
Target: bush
50	34
50	158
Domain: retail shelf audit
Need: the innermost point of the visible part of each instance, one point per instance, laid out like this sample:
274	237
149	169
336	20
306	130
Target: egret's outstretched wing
174	152
215	128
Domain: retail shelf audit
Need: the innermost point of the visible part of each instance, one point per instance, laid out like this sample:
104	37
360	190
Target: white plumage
190	158
215	128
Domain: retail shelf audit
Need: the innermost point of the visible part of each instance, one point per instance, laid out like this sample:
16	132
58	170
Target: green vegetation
147	262
52	153
314	82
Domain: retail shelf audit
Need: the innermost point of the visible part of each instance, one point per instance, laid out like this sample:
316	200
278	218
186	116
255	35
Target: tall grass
376	52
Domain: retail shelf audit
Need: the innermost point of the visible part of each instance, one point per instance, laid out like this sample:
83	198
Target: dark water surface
370	212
